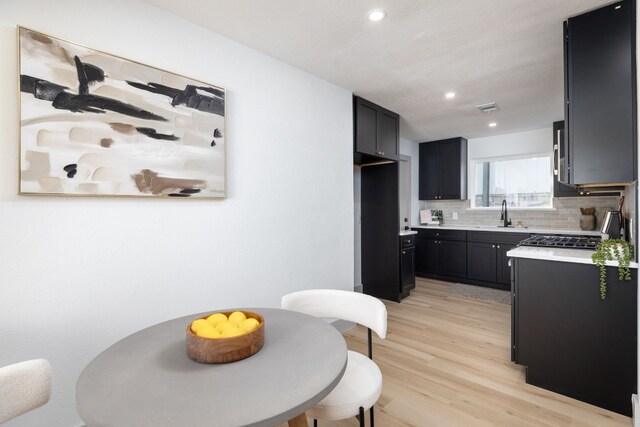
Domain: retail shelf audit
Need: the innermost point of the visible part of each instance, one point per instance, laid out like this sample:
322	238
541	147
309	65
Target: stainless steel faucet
504	214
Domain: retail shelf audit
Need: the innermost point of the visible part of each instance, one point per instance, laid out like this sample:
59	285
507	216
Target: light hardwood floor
446	362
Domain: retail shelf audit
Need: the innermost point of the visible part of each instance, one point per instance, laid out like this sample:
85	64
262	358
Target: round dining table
147	379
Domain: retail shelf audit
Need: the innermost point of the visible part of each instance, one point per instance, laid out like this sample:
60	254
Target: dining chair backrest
337	304
24	386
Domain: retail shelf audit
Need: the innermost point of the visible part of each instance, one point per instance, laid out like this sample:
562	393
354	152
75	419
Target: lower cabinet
570	340
487	258
441	253
475	257
453	258
481	261
407	265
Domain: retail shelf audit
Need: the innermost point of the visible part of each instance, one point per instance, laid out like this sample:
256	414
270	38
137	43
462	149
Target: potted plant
613	250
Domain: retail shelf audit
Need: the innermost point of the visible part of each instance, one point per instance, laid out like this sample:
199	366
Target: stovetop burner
569	242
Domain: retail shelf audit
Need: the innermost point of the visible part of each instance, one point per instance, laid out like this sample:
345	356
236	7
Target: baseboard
635	407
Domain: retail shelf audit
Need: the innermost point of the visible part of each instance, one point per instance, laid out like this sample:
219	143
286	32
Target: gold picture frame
97	124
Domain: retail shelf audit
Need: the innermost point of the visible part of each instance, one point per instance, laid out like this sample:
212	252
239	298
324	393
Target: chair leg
315	423
371	416
361	417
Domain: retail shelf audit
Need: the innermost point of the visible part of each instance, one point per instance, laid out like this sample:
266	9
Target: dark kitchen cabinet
503	266
600	94
560	189
380	255
407	265
570	340
441	253
443	170
481	261
487	261
376	132
453	258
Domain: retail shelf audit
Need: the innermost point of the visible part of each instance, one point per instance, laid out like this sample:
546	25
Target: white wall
411	148
357	225
512	144
78	274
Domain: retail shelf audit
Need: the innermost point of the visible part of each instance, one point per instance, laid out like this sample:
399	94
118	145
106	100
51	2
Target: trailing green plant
613	250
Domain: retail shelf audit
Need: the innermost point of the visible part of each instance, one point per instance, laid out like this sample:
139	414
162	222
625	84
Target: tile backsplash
566	215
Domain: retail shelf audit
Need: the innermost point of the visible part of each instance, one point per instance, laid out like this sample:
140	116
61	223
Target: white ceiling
506	51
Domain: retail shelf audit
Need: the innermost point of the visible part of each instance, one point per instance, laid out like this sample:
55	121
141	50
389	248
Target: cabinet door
427	257
481	261
422	255
503	270
601	107
388	134
428	171
453	258
407	268
449	169
366	118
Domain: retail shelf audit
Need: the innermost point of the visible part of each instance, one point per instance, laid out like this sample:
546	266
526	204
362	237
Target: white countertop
407	232
509	229
581	256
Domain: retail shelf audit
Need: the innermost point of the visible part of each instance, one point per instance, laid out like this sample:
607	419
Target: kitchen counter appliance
569	242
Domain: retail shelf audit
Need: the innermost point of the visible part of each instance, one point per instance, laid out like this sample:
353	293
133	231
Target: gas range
568	242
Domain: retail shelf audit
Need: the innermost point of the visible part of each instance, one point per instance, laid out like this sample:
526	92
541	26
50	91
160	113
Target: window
522	182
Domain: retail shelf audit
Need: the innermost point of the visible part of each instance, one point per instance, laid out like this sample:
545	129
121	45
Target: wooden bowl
226	350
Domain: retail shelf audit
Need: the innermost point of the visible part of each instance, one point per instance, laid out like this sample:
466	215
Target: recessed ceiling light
493	124
450	95
376	15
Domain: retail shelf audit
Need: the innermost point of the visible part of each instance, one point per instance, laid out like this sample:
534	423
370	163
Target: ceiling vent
487	108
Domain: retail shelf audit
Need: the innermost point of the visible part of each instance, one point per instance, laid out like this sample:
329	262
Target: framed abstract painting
94	124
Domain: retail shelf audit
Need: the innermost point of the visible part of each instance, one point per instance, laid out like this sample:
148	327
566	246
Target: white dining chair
24	386
361	384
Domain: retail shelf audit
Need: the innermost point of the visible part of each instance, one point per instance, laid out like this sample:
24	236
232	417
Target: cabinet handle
382	153
498	246
403	253
556	147
493	246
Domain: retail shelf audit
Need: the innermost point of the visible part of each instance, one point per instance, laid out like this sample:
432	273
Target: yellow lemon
216	318
237	317
249	325
208	332
196	325
231	332
222	326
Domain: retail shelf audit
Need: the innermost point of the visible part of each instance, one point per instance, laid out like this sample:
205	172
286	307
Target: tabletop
147	379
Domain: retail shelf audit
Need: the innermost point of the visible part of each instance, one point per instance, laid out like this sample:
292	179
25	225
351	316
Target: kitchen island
568	338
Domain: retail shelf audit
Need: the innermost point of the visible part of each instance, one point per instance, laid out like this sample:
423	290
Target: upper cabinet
376	132
599	146
443	170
